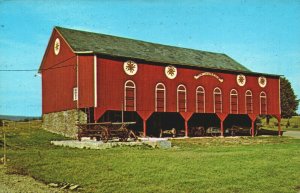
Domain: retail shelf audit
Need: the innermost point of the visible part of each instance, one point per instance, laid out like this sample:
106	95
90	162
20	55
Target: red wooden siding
111	80
86	81
58	77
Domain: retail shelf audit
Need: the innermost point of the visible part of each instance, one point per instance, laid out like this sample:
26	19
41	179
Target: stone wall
64	122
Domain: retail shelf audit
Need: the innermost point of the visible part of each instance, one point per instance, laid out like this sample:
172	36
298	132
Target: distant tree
289	101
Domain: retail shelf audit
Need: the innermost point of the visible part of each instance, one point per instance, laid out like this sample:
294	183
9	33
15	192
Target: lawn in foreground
261	164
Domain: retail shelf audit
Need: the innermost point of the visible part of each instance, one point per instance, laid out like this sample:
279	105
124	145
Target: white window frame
134	93
197	92
260	97
237	100
161	89
214	93
185	101
248	95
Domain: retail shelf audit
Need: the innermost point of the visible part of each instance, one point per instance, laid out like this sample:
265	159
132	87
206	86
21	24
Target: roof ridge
116	46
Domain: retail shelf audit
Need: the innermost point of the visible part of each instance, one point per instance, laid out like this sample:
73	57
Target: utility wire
45	69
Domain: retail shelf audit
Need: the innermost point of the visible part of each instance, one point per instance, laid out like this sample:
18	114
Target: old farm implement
106	130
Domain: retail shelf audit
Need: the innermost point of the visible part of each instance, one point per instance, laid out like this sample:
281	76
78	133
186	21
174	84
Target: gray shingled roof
81	41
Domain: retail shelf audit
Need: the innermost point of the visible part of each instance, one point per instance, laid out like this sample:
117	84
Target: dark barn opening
129	116
202	120
205	120
242	121
164	121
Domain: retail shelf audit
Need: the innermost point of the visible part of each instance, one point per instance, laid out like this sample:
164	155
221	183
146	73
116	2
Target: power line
18	70
35	70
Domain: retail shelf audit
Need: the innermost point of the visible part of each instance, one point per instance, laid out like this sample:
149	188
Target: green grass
260	164
294	124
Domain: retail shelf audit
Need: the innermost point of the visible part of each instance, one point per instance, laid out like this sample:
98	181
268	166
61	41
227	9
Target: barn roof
83	42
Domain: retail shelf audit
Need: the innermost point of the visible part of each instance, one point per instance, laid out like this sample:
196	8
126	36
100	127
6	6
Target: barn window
234	102
217	100
200	100
160	98
263	103
249	102
129	96
181	98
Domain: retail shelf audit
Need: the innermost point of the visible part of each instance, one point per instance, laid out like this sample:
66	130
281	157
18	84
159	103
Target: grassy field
260	164
294	124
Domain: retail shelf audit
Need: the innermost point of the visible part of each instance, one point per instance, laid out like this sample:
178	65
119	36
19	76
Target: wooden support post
144	127
186	128
222	128
122	113
279	128
222	117
252	127
144	115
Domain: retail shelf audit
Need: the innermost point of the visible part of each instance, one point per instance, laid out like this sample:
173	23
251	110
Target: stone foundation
64	122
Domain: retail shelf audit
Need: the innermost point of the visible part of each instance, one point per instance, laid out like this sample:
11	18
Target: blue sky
262	35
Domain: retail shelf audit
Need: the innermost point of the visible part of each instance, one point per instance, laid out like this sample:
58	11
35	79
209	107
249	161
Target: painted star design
171	71
57	46
262	81
241	79
130	66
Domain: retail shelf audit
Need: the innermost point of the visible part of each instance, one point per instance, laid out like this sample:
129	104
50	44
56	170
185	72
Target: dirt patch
11	183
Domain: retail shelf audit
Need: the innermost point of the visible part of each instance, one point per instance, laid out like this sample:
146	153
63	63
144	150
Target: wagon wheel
202	132
104	134
131	134
123	136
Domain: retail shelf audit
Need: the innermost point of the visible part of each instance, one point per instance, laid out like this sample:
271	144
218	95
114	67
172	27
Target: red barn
89	77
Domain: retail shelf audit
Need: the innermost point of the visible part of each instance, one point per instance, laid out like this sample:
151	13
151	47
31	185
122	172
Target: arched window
129	96
234	102
217	100
181	98
160	98
249	102
200	100
263	103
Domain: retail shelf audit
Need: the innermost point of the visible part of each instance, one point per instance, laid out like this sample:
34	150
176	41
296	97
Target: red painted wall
86	81
58	77
111	79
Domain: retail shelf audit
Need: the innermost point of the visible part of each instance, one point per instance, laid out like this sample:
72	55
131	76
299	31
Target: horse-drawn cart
106	130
